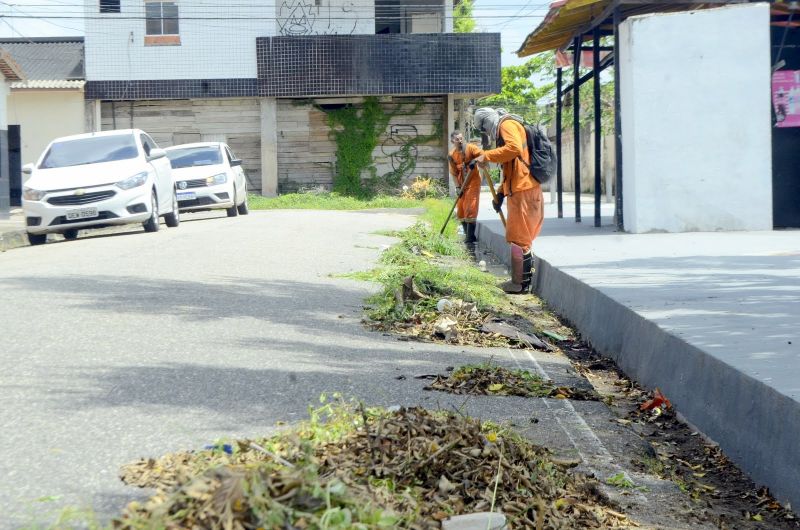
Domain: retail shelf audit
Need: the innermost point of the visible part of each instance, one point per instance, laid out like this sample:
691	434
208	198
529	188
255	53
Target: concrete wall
301	17
43	116
696	120
5	182
587	161
214	48
171	122
209	49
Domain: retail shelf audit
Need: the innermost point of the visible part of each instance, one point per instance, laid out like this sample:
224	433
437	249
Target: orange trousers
525	217
467	210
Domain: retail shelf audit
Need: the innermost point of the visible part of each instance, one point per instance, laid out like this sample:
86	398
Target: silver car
208	176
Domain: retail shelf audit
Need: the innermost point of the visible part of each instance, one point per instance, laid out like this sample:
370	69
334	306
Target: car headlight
31	194
133	182
221	178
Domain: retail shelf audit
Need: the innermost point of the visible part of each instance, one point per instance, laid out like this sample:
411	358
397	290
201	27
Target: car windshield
194	156
92	150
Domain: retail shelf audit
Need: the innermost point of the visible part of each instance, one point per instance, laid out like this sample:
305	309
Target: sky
513	19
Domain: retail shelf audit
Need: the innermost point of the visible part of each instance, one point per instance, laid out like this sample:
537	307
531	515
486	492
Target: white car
208	176
98	179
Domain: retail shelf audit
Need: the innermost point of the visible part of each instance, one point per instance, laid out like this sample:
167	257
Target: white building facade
261	76
700	159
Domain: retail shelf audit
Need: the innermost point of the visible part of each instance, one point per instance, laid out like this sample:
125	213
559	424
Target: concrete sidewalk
710	318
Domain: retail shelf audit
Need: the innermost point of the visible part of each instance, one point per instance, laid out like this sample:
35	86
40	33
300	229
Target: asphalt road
120	346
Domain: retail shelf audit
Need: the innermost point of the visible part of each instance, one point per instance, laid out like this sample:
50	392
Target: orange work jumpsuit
467	211
523	193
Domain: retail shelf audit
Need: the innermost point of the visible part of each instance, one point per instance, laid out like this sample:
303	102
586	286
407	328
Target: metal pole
598	138
559	168
576	124
618	210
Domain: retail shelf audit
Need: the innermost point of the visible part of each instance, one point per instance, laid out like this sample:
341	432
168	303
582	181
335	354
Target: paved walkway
713	319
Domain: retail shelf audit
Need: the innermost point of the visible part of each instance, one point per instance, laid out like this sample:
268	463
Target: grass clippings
351	468
489	380
433	292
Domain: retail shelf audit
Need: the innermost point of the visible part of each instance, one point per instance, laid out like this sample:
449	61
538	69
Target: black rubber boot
527	271
469	238
472	238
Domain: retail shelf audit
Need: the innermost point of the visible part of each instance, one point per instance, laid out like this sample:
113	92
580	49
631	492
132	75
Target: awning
570	18
565	19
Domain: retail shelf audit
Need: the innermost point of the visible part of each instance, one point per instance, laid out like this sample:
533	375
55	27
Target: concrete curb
756	426
13	239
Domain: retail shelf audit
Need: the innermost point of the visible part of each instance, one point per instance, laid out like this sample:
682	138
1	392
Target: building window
161	18
404	16
109	6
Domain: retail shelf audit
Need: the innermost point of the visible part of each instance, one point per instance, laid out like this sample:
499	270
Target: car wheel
151	225
37	239
243	209
232	211
173	219
71	234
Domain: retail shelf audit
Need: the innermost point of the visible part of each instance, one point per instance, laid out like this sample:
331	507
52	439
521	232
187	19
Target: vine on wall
357	130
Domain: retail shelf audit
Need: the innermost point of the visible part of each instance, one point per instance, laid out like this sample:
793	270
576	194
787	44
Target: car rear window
92	150
194	156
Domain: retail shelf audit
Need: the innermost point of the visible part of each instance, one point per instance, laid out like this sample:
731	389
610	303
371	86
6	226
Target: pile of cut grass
356	468
440	267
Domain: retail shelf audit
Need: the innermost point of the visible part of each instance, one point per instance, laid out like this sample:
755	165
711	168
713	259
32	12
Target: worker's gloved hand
498	204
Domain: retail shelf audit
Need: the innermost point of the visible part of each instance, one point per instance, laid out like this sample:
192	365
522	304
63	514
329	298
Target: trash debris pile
410	468
491	380
454	321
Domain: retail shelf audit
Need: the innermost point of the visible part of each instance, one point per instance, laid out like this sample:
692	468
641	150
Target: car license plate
187	196
82	213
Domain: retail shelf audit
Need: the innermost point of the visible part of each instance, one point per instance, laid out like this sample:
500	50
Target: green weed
328	201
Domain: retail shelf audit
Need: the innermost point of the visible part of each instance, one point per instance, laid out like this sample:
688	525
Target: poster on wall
786	98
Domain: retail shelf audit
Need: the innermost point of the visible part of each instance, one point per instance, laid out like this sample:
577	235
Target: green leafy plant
356	130
620	481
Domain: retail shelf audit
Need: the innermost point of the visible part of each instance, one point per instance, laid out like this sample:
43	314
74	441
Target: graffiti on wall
305	17
400	147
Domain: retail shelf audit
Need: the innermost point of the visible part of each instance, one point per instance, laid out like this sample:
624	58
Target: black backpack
544	163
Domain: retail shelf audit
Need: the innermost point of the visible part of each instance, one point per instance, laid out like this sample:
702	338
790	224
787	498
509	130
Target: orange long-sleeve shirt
457	161
516	176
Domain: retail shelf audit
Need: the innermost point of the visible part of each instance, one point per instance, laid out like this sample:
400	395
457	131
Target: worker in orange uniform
470	181
525	201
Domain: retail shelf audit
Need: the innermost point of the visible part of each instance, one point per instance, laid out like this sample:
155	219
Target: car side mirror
27	169
236	162
156	153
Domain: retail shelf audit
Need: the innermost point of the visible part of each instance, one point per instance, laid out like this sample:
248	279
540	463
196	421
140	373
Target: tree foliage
523	95
463	20
529	90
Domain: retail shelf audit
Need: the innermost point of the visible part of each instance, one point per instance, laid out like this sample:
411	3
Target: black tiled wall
332	65
171	89
437	63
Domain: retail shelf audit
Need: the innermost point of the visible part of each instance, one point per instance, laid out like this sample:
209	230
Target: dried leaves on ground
722	493
455	321
410	468
490	380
